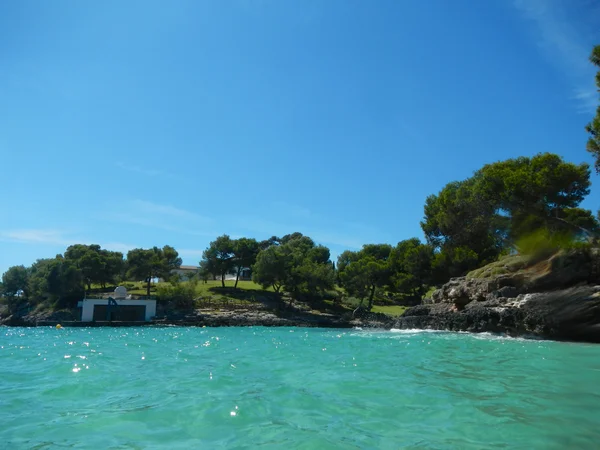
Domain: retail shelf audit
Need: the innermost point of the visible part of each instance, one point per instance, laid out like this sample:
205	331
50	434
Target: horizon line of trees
466	225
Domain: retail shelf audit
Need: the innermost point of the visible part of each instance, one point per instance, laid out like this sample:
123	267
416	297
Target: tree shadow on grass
266	298
305	309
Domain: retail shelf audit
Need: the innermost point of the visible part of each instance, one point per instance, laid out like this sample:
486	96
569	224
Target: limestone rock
557	298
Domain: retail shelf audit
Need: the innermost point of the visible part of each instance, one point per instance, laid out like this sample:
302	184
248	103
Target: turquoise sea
292	388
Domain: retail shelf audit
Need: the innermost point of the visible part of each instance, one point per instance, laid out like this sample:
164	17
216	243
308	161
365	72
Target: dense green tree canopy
459	218
582	219
146	264
540	186
245	251
15	281
593	128
56	280
411	264
471	222
296	264
273	240
308	266
219	257
270	269
96	264
363	272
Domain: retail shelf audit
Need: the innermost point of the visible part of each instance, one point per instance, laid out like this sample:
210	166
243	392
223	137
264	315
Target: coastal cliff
552	298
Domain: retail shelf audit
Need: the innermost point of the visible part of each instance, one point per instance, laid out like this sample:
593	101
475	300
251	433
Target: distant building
119	307
246	274
186	272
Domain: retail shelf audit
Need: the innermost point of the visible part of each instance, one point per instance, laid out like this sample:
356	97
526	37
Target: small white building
121	307
186	272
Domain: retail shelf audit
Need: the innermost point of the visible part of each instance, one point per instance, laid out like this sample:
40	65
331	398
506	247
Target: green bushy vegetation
505	265
179	295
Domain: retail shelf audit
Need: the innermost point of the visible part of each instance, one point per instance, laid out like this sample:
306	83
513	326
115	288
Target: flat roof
188	268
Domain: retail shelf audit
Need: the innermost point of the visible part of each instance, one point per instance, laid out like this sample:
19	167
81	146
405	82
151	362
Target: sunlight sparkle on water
297	387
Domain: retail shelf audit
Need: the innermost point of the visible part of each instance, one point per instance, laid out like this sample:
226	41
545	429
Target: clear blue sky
141	123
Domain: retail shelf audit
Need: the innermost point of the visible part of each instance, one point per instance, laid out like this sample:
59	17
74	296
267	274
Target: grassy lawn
139	287
210	286
394	310
247	292
213	294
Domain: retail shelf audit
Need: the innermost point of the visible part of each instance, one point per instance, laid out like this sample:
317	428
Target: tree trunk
585	231
89	285
223	279
371	295
148	286
237	276
358	307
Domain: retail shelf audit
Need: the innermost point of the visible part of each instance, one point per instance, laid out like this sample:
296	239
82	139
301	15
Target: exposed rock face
15	321
269	319
556	299
30	320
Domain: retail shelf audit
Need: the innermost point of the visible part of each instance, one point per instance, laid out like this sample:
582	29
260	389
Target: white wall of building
87	307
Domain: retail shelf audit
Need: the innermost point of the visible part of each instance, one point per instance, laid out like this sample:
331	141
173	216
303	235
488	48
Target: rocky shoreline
570	314
236	318
557	298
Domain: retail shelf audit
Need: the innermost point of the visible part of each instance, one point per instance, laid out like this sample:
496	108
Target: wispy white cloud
36	236
162	216
138	169
147	207
56	237
566	44
154	173
587	100
64	238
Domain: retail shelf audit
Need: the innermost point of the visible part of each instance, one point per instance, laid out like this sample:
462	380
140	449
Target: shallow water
293	388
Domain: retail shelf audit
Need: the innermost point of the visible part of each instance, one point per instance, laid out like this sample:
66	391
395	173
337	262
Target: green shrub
352	301
542	243
506	264
179	295
430	292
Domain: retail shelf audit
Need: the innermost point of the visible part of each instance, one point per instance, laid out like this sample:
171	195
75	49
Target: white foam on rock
520	301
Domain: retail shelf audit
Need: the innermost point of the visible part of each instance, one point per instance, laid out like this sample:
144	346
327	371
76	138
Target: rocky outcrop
270	319
31	319
557	298
14	320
